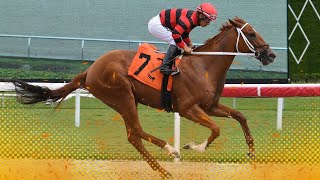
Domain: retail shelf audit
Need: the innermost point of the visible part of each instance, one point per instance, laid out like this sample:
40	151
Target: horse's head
249	40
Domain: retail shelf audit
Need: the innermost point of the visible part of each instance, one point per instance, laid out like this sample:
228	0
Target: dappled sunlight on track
99	169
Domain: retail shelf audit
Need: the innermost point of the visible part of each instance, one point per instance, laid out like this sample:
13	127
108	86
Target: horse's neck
222	43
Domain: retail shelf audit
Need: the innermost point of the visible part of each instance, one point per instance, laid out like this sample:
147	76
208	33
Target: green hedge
308	70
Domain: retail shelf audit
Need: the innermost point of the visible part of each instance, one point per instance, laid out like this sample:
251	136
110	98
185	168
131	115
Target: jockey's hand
192	46
187	49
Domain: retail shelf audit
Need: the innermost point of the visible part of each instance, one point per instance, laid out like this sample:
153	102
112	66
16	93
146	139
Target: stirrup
171	72
168	71
176	72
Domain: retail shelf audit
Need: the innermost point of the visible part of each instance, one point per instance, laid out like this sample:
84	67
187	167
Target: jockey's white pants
156	29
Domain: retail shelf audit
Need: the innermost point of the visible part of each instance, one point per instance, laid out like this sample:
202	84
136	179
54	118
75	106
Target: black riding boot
166	65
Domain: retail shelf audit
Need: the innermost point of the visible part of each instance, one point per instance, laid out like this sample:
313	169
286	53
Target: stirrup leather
176	72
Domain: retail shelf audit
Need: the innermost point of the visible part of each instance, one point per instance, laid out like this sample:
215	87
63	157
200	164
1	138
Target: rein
223	53
249	45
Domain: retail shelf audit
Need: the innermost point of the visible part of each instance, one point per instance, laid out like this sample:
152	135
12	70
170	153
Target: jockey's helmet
208	10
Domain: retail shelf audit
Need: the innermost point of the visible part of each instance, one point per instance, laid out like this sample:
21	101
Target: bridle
253	49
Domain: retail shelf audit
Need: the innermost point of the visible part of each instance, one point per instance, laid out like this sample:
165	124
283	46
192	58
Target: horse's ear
233	23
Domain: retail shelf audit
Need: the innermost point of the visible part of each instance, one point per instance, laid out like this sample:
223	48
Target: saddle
145	68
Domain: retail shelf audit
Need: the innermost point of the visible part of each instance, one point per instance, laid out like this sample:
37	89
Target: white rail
83	40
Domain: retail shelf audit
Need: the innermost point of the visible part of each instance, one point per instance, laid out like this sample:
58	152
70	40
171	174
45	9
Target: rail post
177	134
77	109
279	113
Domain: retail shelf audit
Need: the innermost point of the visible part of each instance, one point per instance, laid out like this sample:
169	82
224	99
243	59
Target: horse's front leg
224	111
197	115
161	143
135	133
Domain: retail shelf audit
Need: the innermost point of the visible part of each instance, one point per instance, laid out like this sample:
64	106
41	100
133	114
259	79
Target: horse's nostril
271	59
272	55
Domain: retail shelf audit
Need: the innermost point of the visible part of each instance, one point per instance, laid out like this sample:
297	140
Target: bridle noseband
249	45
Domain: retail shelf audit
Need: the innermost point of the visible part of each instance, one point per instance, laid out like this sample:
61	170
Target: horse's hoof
251	155
171	151
176	154
188	146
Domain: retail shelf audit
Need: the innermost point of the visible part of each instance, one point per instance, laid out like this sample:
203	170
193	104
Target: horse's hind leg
224	111
197	115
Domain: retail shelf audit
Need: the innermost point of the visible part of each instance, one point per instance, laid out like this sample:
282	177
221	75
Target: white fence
29	39
54	47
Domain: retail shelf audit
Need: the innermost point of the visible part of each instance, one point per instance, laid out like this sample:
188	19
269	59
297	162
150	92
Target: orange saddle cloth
146	60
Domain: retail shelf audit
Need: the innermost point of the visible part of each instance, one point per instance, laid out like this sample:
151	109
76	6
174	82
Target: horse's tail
32	94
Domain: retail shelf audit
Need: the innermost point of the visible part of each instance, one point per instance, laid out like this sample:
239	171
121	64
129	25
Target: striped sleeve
177	35
185	38
181	31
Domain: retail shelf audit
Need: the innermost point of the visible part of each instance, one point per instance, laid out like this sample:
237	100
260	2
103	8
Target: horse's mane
224	27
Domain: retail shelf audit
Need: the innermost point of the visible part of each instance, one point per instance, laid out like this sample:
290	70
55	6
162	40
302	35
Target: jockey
174	25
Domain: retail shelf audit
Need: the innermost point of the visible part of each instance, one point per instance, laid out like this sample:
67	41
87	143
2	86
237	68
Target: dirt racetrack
99	169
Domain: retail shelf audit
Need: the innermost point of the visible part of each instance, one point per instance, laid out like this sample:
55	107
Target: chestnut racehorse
195	91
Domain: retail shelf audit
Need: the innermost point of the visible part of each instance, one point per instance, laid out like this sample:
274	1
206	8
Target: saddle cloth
146	60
